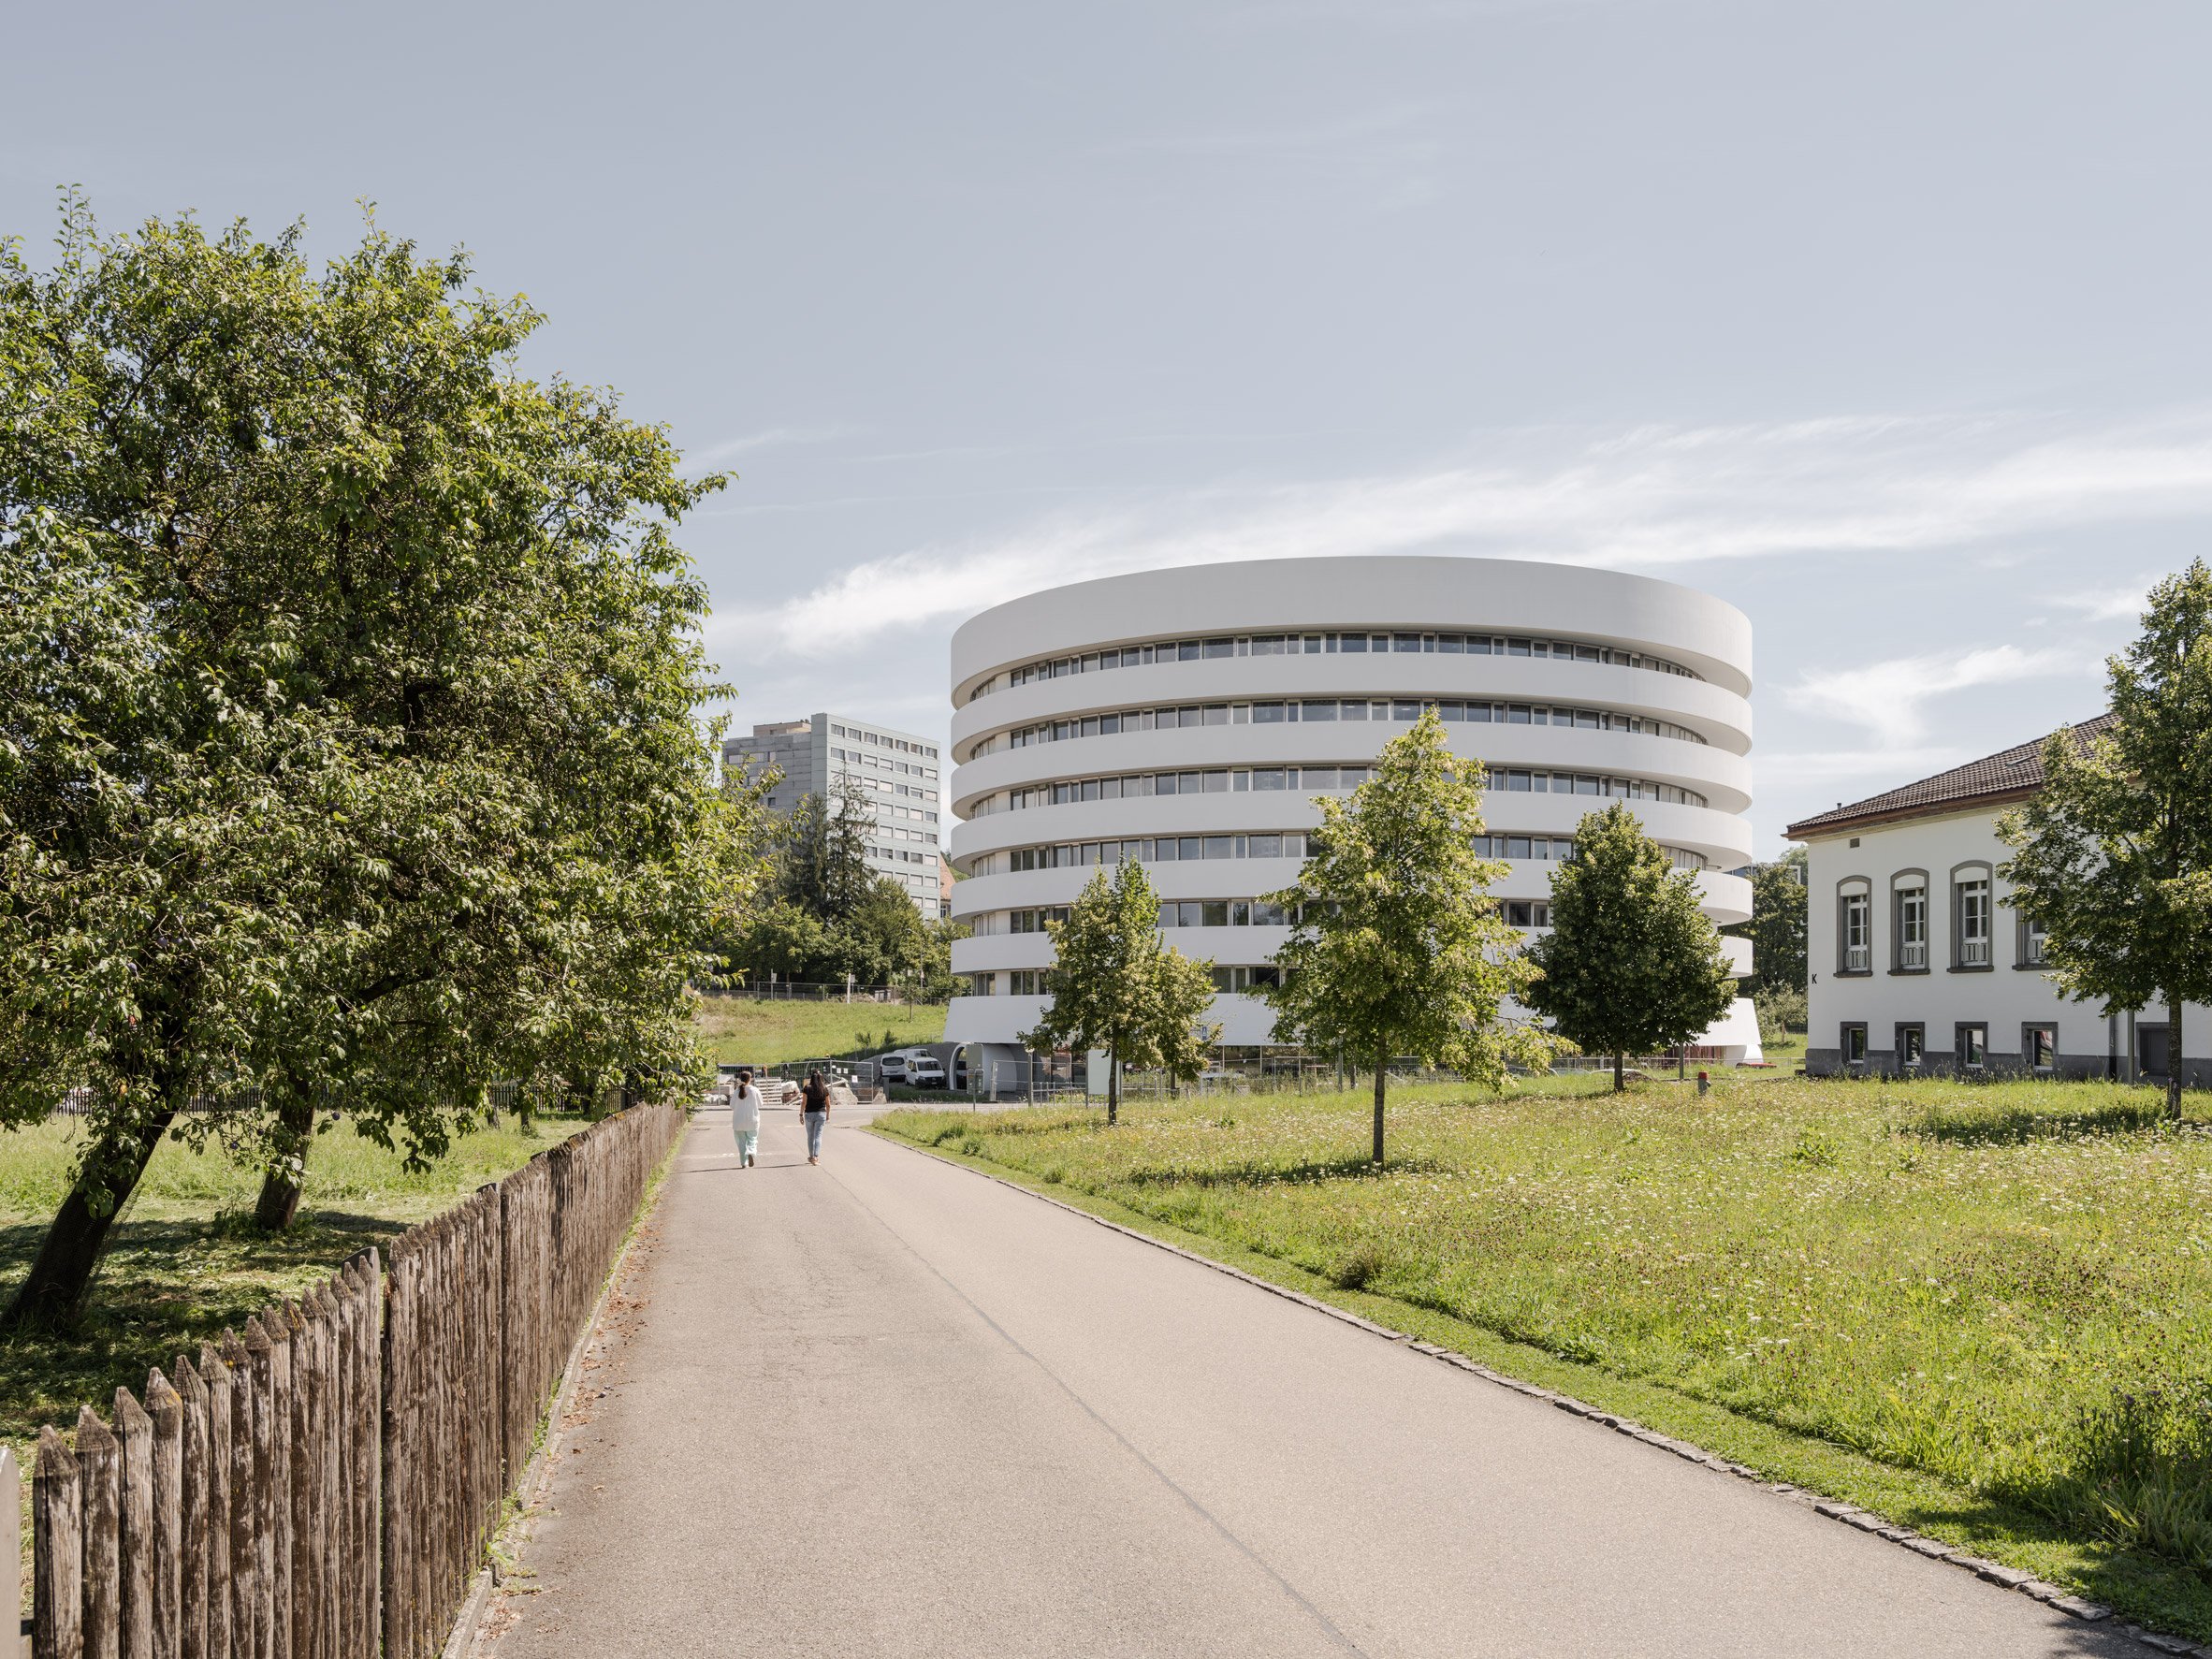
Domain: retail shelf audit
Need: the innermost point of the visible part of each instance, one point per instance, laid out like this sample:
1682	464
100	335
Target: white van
892	1066
924	1072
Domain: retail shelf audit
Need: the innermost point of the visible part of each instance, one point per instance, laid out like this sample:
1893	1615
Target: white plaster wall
2005	996
1499	595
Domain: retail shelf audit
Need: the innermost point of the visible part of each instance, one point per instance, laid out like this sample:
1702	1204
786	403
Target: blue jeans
815	1122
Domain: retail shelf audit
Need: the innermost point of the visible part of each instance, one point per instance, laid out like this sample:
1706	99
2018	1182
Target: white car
892	1068
924	1072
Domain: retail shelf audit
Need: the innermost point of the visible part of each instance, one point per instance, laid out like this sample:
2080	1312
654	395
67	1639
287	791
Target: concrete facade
1937	951
1190	718
898	771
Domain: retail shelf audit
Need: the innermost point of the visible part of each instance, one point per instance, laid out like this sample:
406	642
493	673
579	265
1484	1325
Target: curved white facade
1248	688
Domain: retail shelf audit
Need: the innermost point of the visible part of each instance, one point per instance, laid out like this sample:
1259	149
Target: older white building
1187	718
1916	960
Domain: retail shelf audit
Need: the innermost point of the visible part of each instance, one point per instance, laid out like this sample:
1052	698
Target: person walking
814	1105
745	1118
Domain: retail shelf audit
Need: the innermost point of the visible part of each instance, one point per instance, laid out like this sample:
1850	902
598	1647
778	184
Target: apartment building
896	772
1191	718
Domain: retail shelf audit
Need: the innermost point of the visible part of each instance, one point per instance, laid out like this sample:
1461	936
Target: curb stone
2004	1578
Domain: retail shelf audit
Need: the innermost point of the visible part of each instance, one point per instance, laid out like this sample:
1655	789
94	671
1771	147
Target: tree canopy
2113	855
1777	926
350	701
1116	986
1631	964
1396	947
825	914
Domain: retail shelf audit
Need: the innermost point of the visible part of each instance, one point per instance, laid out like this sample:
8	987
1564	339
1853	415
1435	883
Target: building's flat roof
2009	774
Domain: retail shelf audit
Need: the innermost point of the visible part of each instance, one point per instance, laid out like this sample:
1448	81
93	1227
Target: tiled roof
2005	775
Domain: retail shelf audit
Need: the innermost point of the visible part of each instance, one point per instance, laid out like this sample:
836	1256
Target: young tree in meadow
1631	964
2113	856
1397	947
1117	987
350	698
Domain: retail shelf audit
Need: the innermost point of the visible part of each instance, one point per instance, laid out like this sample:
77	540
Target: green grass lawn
1788	1053
767	1033
186	1259
1983	1311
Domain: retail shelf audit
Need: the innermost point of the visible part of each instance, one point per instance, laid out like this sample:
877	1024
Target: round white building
1188	717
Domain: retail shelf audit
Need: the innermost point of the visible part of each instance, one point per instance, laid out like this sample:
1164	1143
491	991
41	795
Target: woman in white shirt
745	1118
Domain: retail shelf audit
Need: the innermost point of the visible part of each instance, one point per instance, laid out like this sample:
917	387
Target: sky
1884	322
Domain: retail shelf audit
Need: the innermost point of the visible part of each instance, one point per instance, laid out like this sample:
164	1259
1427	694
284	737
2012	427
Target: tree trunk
2174	1059
1618	1085
1112	1082
294	1134
52	1292
1382	1078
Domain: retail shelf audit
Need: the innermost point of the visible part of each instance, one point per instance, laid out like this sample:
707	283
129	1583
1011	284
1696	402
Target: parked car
892	1066
924	1072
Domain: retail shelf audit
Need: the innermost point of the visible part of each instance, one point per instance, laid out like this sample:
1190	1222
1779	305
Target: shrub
1780	1011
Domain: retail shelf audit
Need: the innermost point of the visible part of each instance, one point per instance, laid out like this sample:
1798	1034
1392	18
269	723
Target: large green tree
820	853
1777	926
1396	947
1631	964
1118	988
2113	856
352	751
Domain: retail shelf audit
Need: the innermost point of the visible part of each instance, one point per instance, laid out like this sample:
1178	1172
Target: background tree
1777	926
828	914
1397	947
1631	964
1117	987
370	767
821	853
2114	854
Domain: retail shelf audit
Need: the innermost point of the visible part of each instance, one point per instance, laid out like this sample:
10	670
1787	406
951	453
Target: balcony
1912	956
1856	959
1973	953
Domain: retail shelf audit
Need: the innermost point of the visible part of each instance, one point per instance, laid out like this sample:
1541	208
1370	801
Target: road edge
2004	1578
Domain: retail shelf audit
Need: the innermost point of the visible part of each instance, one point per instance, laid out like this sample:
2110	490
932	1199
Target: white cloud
2124	601
1887	697
1648	498
729	448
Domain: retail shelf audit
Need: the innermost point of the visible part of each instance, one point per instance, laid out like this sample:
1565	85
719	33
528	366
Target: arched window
1854	925
1971	916
1908	922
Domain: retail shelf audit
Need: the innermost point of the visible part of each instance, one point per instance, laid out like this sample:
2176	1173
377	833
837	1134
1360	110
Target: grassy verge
1982	1312
768	1033
186	1259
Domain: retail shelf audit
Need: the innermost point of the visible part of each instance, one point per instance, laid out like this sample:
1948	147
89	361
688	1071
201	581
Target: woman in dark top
814	1106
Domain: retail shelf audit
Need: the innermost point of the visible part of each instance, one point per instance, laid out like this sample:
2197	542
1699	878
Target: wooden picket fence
323	1485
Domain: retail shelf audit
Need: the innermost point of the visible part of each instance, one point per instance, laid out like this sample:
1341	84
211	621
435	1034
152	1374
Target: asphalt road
885	1407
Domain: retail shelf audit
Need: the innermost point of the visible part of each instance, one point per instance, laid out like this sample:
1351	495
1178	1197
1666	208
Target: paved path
885	1407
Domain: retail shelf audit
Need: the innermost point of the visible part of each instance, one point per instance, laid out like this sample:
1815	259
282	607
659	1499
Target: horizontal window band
1255	844
1303	778
1312	712
1329	643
